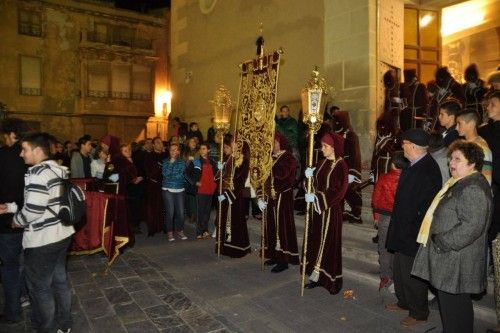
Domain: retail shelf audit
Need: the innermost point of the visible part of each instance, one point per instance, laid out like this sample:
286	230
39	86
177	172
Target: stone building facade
353	42
74	67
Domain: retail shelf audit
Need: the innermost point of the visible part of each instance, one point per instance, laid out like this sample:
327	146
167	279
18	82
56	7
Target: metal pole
221	159
308	208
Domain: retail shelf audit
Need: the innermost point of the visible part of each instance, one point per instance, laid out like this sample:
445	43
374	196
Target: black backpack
72	203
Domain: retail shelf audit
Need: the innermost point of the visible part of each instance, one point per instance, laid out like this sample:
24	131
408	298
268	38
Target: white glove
372	177
309	197
309	172
220	165
262	204
350	178
221	197
114	177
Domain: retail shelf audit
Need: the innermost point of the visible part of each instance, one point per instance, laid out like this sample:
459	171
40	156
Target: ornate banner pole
222	118
313	103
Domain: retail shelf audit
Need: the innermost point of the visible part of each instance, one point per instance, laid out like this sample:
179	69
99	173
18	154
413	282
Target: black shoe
5	321
280	267
301	213
375	239
312	285
270	262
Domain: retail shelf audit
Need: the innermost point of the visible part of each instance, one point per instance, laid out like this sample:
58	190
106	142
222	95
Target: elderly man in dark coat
417	186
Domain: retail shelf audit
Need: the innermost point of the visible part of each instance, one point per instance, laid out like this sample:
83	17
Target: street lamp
313	97
222	120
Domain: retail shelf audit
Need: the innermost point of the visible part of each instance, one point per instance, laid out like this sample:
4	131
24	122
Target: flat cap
417	136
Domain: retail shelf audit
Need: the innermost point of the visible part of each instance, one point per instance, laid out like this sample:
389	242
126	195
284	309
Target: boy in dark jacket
201	173
382	204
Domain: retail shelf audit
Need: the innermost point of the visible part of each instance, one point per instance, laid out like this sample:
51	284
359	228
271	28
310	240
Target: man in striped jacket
46	238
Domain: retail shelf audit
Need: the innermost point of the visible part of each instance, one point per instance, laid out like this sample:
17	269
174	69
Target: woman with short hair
453	237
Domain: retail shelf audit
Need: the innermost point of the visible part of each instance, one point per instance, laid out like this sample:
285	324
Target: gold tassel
278	245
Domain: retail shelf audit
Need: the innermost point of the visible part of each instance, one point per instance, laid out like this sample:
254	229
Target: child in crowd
173	193
382	204
202	174
99	163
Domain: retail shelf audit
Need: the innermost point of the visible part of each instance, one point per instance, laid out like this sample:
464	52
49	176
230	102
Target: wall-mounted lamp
163	103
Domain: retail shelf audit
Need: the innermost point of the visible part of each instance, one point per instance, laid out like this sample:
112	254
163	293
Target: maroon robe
352	156
233	209
280	212
415	113
387	142
329	185
154	204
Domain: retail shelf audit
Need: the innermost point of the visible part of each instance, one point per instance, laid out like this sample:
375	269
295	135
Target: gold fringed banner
255	115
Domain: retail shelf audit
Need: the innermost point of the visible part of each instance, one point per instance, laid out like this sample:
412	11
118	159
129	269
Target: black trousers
457	314
204	204
410	291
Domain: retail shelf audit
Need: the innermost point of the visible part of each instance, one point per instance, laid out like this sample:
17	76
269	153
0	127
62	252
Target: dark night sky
142	6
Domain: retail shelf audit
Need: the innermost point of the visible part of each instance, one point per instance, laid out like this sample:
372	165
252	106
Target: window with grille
31	76
98	79
30	23
120	84
141	82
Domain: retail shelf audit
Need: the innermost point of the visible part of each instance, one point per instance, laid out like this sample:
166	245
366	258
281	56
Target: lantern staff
222	120
313	97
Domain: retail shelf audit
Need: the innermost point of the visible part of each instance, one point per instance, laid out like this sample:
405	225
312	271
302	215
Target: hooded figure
386	143
352	156
446	87
324	249
415	94
392	101
111	144
280	238
474	91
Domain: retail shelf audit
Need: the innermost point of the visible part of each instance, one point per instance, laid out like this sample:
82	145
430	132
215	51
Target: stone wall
207	48
64	107
337	35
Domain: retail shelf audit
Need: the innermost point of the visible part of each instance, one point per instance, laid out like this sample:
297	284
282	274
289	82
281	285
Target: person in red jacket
382	204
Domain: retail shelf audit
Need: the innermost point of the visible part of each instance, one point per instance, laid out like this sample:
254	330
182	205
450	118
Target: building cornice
102	10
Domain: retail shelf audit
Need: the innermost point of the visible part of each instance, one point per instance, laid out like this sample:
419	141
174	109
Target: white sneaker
64	331
214	234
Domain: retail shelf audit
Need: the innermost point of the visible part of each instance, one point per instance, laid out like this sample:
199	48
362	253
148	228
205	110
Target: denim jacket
173	173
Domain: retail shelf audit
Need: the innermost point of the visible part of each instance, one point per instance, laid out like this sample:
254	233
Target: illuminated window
30	23
422	42
31	76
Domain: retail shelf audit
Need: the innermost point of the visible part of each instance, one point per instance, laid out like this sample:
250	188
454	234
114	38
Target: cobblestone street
182	287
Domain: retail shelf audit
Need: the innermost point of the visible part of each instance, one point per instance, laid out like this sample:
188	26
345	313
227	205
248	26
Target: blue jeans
10	252
174	210
45	269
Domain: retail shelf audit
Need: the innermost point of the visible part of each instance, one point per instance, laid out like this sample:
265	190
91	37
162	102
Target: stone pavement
182	287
